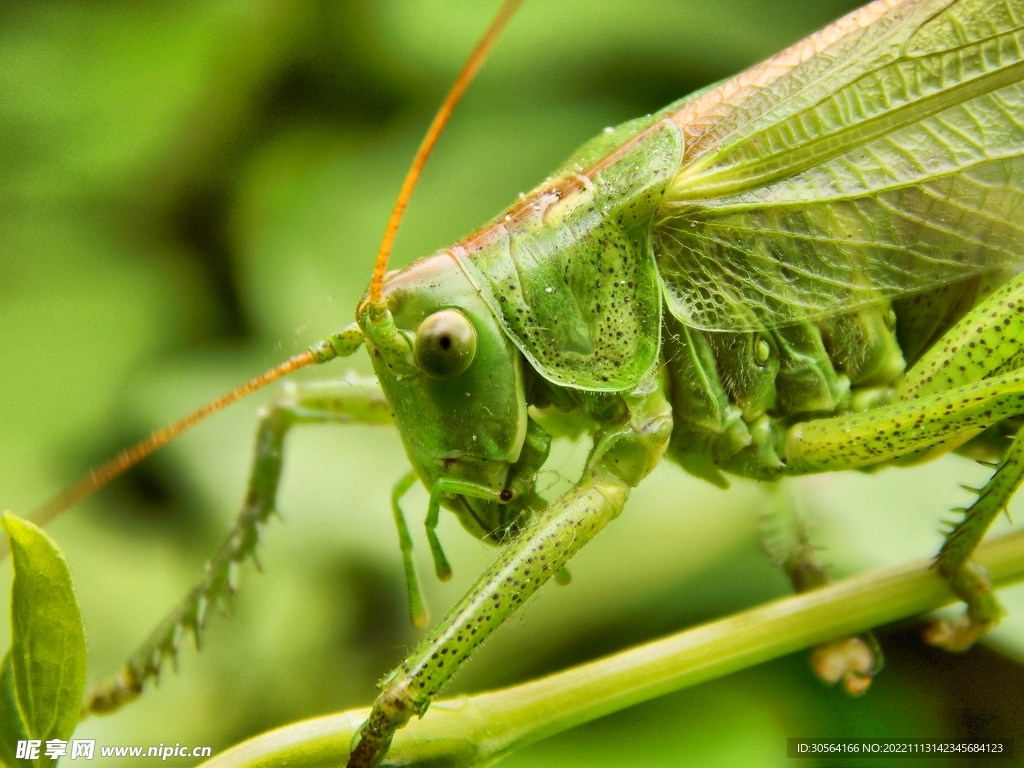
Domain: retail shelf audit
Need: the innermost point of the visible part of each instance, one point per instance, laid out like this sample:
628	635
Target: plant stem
479	729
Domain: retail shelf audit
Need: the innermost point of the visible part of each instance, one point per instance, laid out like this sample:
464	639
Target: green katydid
724	282
679	287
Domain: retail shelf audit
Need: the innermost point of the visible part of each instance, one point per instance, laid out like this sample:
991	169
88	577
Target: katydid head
454	381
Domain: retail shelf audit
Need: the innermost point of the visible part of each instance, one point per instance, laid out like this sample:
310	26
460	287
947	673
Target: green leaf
48	652
12	727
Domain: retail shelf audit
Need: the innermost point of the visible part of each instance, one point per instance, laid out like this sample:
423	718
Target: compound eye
445	344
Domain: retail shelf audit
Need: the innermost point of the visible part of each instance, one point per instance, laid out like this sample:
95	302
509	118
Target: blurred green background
190	191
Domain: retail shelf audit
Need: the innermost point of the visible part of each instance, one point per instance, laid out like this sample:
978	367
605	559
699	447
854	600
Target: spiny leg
886	433
854	659
985	345
622	457
352	400
969	579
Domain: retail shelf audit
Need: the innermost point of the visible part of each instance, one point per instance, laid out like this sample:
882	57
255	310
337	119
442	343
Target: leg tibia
992	499
968	579
520	570
351	400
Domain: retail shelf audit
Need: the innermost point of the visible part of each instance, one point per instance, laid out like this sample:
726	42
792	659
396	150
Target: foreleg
352	400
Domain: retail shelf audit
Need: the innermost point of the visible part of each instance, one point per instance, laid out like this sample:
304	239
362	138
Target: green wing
882	156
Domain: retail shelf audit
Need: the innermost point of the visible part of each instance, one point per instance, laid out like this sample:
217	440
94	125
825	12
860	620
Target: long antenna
469	70
129	457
